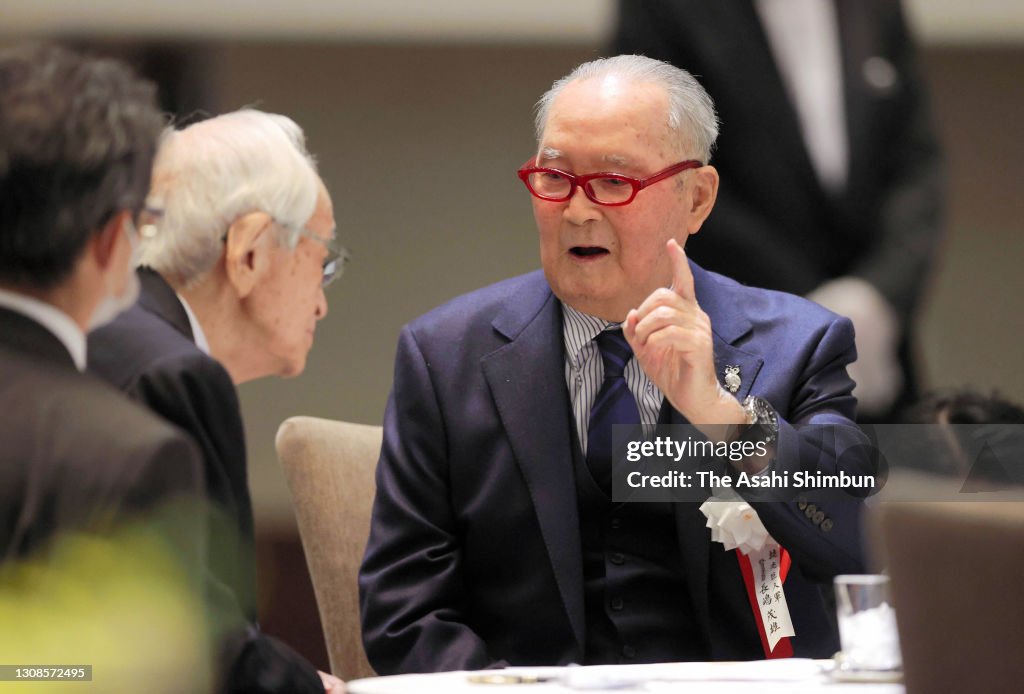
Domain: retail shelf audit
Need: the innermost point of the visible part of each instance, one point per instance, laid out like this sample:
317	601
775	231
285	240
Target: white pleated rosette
734	523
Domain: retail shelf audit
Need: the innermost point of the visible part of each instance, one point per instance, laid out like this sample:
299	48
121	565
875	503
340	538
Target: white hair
210	173
691	112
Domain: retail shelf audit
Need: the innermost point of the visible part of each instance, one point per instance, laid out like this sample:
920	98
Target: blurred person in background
832	184
974	437
85	474
236	252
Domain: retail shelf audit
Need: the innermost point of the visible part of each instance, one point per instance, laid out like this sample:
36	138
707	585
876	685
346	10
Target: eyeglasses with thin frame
605	187
334	262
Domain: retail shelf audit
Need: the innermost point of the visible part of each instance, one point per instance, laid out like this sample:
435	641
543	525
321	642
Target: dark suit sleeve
169	488
196	394
411	581
817	435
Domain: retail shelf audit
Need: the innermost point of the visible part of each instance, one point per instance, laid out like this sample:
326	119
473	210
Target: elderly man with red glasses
502	531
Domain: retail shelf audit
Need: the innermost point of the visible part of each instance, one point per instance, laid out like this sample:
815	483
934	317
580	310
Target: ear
103	245
703	193
247	251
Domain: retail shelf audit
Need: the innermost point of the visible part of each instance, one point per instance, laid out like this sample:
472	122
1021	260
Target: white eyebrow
549	153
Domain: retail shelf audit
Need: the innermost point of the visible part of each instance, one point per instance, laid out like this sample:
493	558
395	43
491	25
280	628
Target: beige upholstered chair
330	469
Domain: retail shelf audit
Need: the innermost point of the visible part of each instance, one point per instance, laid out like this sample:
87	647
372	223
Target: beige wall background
532	21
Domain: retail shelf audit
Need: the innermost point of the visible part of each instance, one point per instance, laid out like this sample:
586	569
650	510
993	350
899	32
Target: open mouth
588	251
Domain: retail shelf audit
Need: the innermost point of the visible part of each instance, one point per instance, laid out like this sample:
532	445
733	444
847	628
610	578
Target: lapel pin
732	378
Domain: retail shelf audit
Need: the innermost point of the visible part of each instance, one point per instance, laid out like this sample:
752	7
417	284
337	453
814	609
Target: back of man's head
212	172
77	140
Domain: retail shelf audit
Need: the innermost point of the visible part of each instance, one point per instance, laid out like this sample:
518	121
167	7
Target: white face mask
111	305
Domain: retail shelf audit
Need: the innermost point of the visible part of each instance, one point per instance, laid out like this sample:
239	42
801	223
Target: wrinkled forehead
630	118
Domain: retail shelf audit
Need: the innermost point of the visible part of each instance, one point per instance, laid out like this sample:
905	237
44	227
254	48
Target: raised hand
671	338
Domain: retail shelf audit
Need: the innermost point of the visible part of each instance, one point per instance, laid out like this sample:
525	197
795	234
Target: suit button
801	503
810	510
617	558
617	604
616	523
629	651
818	517
827	524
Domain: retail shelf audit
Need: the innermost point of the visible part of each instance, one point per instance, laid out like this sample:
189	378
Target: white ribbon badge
737	526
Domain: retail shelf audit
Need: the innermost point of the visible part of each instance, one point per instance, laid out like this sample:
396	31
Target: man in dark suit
232	287
77	139
495	536
832	184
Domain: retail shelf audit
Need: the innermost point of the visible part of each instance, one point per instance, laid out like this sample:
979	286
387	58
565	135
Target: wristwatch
762	414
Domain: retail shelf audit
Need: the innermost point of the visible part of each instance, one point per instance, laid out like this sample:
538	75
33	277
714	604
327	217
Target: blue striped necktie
614	404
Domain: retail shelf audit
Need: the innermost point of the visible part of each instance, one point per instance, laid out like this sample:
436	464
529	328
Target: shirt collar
578	330
198	336
53	319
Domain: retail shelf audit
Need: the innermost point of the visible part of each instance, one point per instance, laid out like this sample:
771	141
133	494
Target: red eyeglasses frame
637	184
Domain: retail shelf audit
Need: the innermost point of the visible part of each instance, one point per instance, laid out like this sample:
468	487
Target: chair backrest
330	470
956	568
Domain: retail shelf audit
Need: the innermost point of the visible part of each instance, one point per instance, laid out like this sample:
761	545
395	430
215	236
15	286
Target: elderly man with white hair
235	257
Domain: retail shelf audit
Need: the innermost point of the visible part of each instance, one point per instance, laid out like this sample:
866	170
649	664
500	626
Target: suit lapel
751	61
857	34
158	297
527	382
728	325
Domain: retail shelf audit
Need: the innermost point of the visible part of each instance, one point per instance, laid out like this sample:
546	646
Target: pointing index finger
682	278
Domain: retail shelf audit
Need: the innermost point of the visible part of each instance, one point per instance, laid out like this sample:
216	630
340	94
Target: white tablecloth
790	676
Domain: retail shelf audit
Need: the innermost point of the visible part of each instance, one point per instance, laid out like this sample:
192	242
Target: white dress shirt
198	336
584	373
